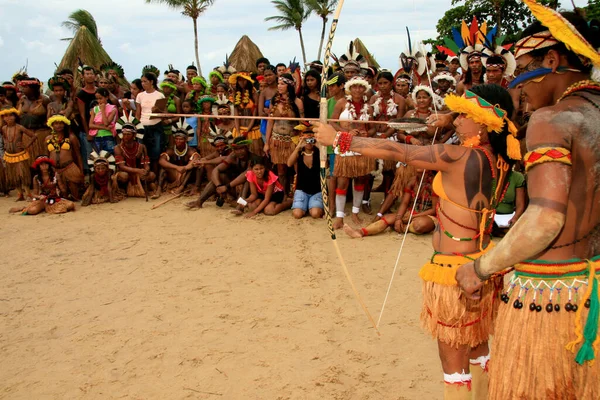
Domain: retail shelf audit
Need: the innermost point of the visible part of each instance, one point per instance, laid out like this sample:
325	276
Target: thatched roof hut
362	50
244	55
85	47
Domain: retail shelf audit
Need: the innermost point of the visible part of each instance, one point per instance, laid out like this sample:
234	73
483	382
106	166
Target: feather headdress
353	57
129	122
103	158
182	128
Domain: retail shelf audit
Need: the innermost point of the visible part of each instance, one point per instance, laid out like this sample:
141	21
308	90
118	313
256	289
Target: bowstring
410	217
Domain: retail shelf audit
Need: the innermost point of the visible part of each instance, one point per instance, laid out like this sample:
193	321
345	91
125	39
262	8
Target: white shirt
147	101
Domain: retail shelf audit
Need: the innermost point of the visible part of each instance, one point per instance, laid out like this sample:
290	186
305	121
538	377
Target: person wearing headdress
169	90
205	107
46	191
471	182
133	163
63	147
351	165
85	97
62	103
177	164
414	64
244	99
354	64
215	78
220	139
371	75
280	133
444	83
102	180
403	86
549	313
199	89
16	155
12	94
384	106
235	165
33	112
107	81
226	70
117	72
265	97
495	71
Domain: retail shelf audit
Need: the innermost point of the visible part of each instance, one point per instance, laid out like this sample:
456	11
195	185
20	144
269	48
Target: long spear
323	159
157	115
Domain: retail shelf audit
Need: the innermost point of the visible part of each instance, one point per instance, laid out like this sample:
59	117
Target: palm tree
192	9
292	14
322	8
80	18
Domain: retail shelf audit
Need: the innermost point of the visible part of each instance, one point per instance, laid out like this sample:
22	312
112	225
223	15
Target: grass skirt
4	186
281	149
18	170
389	165
403	175
39	145
529	355
71	174
60	207
353	166
205	148
448	314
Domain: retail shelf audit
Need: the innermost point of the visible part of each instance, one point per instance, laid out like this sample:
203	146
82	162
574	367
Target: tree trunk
498	7
302	46
322	38
196	46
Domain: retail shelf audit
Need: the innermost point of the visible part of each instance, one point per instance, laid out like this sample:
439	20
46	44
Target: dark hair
468	76
496	94
65	71
264	161
87	68
495	60
38	172
341	80
372	70
262	60
192	67
152	78
224	86
291	95
127	95
590	31
271	68
280	65
386	75
103	92
2	91
315	74
191	102
138	84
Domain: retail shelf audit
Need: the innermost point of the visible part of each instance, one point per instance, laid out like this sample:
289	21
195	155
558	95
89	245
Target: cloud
1	41
125	47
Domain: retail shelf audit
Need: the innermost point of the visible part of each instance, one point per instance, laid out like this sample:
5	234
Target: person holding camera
307	197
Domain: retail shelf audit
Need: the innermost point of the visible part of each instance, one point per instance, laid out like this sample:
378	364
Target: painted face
311	82
533	89
269	77
423	100
494	74
259	170
180	142
190	73
401	88
385	86
58	126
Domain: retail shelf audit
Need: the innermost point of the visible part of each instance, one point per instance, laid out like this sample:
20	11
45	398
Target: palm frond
80	18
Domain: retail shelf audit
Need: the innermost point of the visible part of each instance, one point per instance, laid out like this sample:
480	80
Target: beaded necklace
578	86
180	154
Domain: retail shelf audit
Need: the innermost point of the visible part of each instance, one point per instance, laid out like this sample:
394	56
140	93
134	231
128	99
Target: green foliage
292	14
592	11
510	15
189	8
321	8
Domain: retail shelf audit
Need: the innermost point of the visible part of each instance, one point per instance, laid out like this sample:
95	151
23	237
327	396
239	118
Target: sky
135	33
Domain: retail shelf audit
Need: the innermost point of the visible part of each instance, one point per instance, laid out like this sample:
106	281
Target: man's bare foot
338	223
353	233
156	195
15	210
194	204
355	219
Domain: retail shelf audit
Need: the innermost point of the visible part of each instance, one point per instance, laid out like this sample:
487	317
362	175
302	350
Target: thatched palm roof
244	55
85	47
362	50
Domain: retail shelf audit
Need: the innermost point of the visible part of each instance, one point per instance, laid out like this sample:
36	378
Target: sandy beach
118	301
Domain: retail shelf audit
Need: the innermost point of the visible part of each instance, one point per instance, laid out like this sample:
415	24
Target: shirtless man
473	75
133	162
236	164
561	223
63	147
177	163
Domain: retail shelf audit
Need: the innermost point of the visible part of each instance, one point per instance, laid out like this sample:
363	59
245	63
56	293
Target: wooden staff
176	196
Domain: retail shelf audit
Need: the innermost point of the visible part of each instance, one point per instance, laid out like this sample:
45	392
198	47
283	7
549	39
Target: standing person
63	103
280	68
154	134
128	105
102	122
470	183
551	303
403	87
11	94
16	155
453	67
311	95
85	97
336	91
279	145
349	164
265	97
34	113
307	197
245	99
215	78
169	89
384	105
